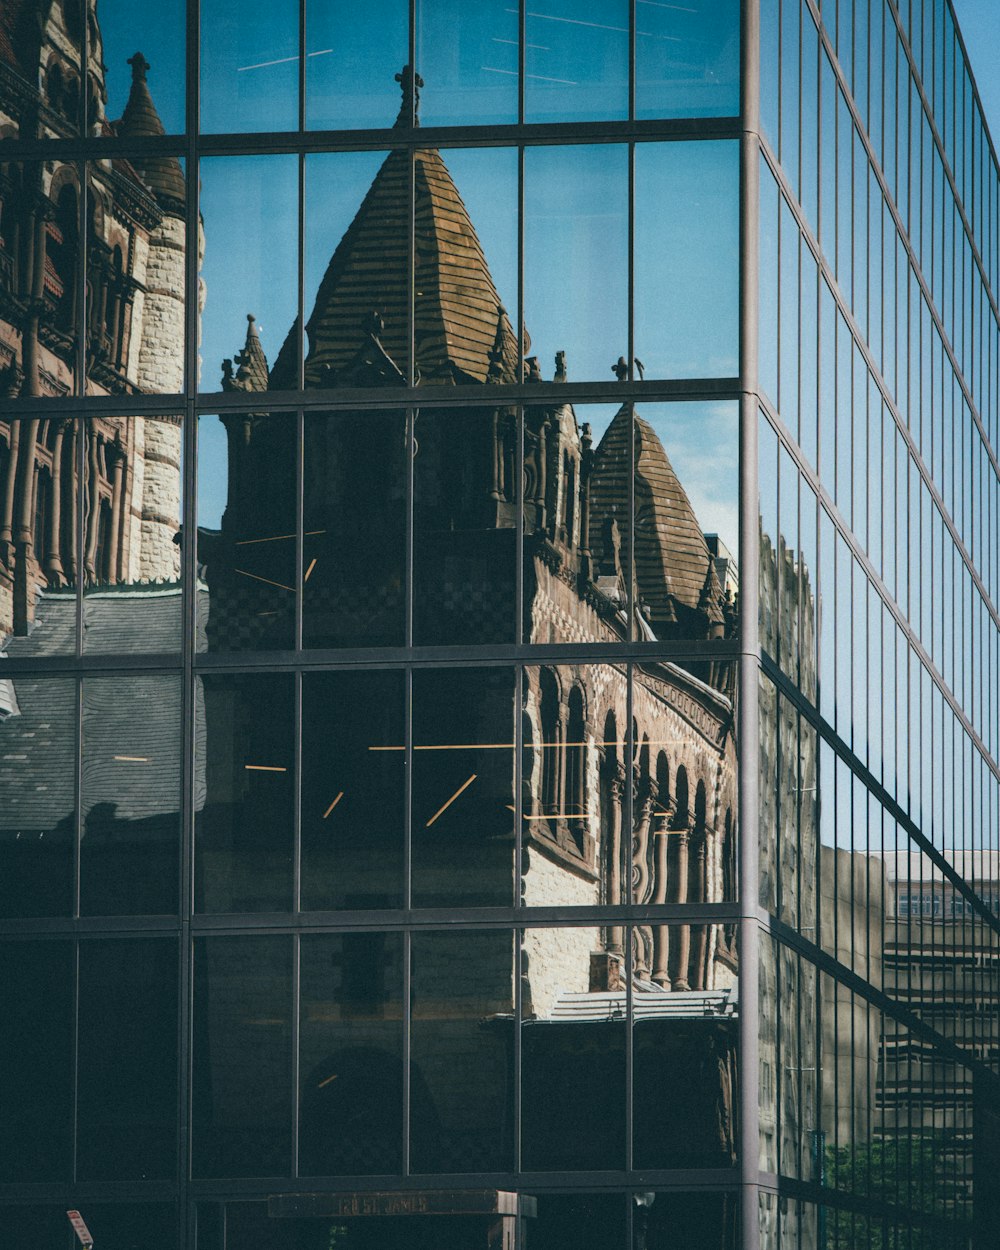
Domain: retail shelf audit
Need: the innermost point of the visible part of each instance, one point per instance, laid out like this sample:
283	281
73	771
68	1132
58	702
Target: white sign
80	1228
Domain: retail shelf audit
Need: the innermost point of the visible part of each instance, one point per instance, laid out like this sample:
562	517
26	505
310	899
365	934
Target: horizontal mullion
97	148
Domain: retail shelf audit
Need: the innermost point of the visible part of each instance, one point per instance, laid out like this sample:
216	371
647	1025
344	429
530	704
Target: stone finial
374	324
641	368
560	374
410	108
620	369
532	370
140	67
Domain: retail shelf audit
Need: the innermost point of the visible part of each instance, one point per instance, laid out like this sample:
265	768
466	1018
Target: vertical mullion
521	35
296	939
626	842
297	749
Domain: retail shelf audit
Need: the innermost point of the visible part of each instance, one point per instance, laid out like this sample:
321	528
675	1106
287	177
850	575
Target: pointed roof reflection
672	558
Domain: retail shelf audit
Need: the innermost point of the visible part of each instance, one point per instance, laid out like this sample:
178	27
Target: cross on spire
140	67
410	109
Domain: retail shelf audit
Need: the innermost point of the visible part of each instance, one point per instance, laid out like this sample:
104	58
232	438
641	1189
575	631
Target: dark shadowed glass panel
160	32
39	618
690	1120
572	771
131	795
41	262
131	1225
131	534
463	787
38	782
464	536
461	1051
465	284
697	1221
467	55
351	1055
686	243
579	1221
127	1065
576	61
242	1081
135	274
355	483
575	260
687	539
36	1077
572	1050
250	69
687	59
352	55
353	800
356	297
244	793
249	274
573	585
247	535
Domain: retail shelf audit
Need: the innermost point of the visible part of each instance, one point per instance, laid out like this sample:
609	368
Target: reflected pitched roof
459	319
671	555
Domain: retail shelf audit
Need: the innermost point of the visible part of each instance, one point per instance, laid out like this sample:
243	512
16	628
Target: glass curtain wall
370	545
879	631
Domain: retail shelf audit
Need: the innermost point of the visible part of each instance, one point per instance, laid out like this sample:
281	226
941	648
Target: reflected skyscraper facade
481	692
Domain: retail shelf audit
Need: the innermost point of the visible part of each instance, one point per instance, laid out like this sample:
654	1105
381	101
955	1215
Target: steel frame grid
190	662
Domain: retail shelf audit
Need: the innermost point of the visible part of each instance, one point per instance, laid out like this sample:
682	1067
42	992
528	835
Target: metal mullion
299	604
407	945
297	795
519	815
75	1078
520	554
517	954
520	263
77	796
521	43
295	1039
409	578
302	6
631	65
300	352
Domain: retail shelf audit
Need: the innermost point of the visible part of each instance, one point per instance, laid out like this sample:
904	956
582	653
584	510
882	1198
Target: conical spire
670	551
161	174
251	374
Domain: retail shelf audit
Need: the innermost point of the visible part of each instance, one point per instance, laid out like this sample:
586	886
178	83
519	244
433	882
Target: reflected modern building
450	797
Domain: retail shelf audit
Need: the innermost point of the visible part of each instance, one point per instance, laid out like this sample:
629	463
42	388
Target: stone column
661	934
616	792
680	888
53	561
696	894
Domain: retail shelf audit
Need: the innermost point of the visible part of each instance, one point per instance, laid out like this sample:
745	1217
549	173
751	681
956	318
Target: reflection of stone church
580	778
128	326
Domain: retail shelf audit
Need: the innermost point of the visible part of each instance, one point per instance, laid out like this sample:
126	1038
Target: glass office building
499	582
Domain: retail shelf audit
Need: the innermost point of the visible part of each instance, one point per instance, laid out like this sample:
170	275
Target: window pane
576	61
468	56
249	275
460	1056
36	1077
160	30
687	59
353	801
131	534
244	793
355	479
351	1056
135	276
250	69
352	54
687	240
576	259
131	795
127	1066
463	784
242	1042
38	782
247	536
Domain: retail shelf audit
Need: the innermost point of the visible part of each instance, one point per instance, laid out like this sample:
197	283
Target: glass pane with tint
463	785
353	790
244	793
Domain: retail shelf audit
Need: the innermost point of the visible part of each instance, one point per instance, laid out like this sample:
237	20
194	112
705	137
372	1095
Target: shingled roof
161	174
458	315
671	555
